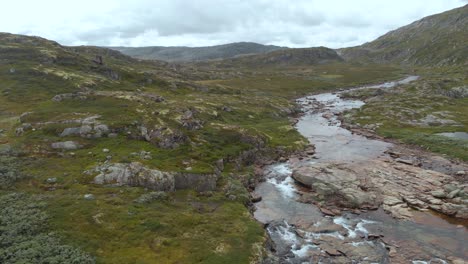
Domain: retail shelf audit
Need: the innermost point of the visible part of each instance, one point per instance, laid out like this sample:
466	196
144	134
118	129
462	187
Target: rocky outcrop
455	92
163	137
135	174
67	96
87	131
190	122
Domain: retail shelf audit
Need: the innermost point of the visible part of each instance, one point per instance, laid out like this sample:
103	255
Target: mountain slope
181	54
439	39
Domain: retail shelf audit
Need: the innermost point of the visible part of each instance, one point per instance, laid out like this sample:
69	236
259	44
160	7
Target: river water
300	233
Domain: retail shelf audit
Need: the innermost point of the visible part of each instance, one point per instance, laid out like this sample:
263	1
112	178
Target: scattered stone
152	196
394	154
205	194
460	173
325	211
434	201
453	194
256	199
19	131
97	218
226	109
51	180
415	202
67	96
439	194
331	251
89	196
105	150
404	161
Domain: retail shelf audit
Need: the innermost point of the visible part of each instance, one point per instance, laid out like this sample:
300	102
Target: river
301	233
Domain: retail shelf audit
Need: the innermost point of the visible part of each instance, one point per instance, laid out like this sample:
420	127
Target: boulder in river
337	183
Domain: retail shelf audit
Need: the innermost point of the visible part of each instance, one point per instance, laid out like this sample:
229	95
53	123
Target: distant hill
282	58
189	54
440	39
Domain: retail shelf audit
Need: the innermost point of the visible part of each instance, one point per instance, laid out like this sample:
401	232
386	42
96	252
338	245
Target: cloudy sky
293	23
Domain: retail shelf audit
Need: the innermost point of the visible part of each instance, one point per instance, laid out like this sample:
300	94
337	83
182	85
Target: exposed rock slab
398	187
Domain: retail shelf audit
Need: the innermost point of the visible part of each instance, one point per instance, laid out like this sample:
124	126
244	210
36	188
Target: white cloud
299	23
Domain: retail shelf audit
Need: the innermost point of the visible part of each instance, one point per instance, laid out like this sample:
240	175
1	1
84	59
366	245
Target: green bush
9	171
24	237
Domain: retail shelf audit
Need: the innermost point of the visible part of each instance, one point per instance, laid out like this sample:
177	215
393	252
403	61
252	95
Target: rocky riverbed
361	200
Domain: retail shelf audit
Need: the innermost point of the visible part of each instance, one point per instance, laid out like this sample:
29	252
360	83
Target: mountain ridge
190	54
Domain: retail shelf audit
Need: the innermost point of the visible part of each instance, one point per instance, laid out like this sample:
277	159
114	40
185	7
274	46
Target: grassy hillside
437	40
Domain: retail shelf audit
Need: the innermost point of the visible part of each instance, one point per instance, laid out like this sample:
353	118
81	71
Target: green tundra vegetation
417	113
248	111
185	118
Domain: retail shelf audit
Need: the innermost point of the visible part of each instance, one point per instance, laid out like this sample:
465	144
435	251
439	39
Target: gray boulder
66	145
70	131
